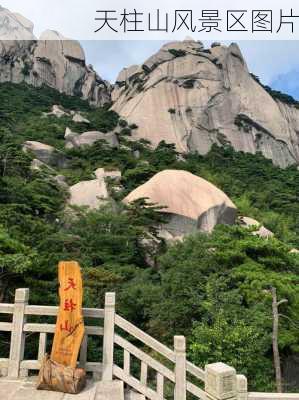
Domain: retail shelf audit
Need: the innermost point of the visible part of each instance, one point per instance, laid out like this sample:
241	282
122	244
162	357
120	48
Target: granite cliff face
52	60
195	97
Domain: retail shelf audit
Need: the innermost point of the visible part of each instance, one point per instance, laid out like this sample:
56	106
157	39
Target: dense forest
214	289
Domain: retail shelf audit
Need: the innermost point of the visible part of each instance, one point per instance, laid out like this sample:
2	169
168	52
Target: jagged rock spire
52	60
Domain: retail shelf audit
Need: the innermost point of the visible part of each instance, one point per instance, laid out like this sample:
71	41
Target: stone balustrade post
180	368
108	342
242	387
220	382
17	342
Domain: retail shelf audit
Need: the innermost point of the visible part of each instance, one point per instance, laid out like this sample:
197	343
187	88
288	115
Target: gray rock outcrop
75	140
37	165
90	194
45	154
261	230
191	202
14	26
57	111
93	193
77	117
103	173
206	96
52	60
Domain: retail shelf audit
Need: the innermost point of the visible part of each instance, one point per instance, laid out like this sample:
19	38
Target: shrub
177	53
26	69
125	132
189	83
123	123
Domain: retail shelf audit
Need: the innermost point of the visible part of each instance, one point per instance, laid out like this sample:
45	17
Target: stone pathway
25	390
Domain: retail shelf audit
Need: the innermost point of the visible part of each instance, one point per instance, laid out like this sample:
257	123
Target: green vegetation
177	53
123	123
26	69
215	289
126	131
189	83
21	109
212	288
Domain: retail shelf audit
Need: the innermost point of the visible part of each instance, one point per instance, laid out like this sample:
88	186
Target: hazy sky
275	62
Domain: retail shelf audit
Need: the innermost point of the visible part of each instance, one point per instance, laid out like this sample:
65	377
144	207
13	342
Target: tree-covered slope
213	288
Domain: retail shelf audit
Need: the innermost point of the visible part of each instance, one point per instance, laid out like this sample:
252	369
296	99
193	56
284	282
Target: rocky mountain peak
52	60
14	26
195	97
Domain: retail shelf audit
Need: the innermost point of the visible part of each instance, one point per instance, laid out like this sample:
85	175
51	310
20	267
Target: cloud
287	83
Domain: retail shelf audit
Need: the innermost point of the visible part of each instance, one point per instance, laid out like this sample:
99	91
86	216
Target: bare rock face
37	165
57	111
88	193
74	140
191	202
206	96
93	193
77	117
61	181
52	60
14	26
45	154
103	173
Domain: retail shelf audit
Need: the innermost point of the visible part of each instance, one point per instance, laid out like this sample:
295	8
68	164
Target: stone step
110	391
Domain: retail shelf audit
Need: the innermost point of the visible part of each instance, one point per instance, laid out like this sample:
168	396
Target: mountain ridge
184	94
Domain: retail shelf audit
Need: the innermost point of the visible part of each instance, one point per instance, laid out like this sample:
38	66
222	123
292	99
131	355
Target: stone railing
151	368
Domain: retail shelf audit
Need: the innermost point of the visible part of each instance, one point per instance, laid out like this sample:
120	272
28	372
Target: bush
125	132
26	69
122	123
189	83
177	53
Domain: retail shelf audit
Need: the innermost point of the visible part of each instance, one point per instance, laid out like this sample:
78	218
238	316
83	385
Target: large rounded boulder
191	202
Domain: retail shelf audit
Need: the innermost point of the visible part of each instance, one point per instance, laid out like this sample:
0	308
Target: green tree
15	260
